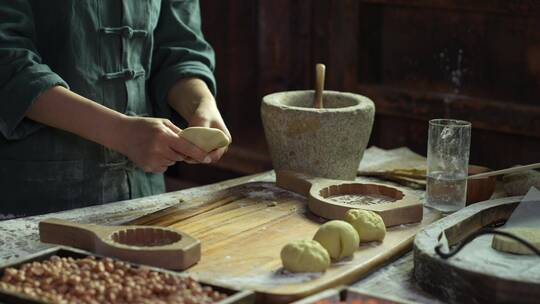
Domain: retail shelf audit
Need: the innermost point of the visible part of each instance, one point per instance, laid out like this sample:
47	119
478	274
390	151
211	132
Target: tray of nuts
67	275
349	295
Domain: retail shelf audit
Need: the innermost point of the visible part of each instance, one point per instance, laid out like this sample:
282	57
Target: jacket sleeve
23	75
179	51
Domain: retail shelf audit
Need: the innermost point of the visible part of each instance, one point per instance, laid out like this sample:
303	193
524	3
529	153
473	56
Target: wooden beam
506	7
483	114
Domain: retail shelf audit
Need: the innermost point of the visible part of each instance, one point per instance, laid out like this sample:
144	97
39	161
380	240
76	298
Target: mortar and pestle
316	140
320	133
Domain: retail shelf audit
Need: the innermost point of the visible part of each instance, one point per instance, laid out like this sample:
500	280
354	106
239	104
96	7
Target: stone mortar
327	142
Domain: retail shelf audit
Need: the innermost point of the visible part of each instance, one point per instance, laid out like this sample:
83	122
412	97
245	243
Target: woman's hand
153	143
207	115
191	98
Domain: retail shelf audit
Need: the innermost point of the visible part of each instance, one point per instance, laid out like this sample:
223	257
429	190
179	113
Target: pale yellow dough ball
305	256
339	238
369	225
208	139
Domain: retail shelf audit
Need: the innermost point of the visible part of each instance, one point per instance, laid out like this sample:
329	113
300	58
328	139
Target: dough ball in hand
339	238
305	256
369	225
208	139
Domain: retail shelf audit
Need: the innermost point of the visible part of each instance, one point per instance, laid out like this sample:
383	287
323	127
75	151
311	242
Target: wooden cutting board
242	231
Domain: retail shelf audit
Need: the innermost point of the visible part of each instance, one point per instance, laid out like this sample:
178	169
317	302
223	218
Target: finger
160	169
221	125
226	131
191	161
226	148
167	163
182	157
216	154
172	126
180	149
167	160
172	155
184	147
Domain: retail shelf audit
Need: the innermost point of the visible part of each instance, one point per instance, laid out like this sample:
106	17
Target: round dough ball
208	139
369	225
305	256
531	235
339	238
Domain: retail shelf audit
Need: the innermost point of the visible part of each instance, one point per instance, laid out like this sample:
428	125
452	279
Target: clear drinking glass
447	163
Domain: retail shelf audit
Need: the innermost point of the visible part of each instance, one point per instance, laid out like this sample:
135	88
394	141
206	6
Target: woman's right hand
153	144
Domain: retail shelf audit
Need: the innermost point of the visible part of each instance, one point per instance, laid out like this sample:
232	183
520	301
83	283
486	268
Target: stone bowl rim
362	102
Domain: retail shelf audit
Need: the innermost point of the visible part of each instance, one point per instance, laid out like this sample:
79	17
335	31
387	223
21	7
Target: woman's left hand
191	98
207	115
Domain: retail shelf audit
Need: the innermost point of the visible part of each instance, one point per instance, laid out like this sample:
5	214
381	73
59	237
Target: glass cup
447	163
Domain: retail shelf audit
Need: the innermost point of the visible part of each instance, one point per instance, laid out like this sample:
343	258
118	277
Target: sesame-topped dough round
208	139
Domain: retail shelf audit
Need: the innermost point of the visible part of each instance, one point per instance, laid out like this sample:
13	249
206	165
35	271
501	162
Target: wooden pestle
320	70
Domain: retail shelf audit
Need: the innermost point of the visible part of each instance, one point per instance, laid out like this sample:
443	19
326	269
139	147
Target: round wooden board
478	273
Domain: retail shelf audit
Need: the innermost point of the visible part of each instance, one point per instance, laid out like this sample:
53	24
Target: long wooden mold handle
505	171
61	232
294	181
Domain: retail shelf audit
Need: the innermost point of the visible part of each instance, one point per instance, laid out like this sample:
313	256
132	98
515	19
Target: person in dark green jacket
86	88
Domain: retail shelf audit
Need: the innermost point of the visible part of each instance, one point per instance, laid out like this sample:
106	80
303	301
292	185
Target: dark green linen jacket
123	54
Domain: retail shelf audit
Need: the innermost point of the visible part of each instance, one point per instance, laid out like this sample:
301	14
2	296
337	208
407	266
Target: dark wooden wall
416	59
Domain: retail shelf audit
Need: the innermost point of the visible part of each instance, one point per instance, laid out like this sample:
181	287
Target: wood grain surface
242	230
400	206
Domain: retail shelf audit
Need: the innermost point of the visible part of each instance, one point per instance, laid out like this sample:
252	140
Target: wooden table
19	237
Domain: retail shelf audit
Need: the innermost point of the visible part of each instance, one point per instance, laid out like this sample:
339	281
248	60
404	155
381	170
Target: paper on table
400	165
377	159
527	213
